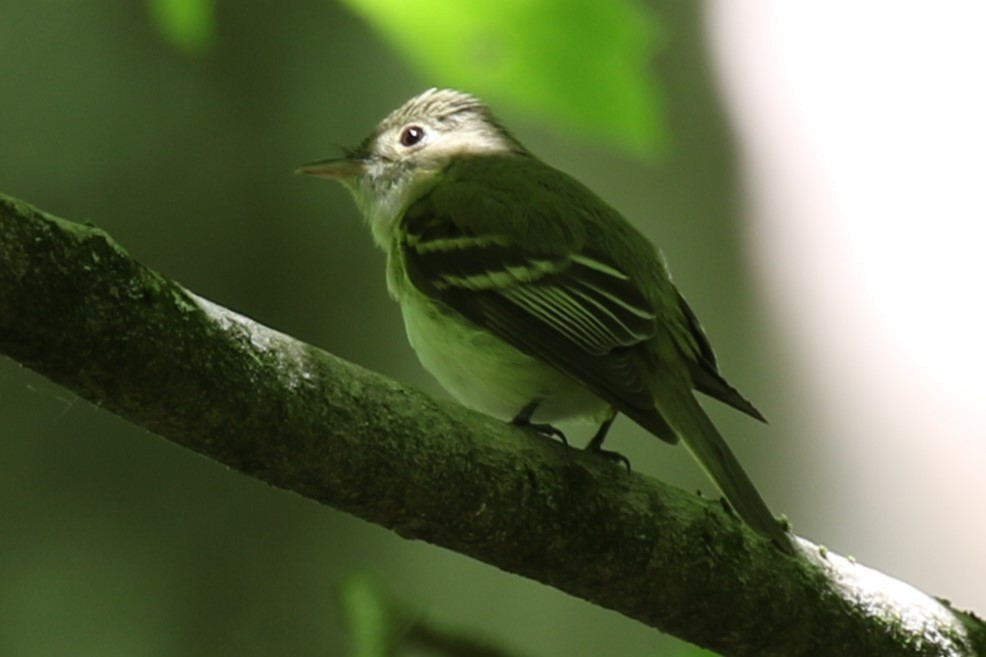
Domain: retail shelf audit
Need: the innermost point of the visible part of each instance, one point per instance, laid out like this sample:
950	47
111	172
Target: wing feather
575	310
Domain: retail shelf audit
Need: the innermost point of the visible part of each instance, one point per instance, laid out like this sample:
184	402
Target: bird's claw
610	455
542	428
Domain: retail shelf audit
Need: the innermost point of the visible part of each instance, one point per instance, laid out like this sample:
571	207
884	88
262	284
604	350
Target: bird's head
410	148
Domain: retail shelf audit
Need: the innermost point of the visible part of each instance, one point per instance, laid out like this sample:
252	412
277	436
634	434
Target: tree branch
75	307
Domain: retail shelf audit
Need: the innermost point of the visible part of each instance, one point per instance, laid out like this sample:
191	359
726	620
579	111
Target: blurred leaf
583	65
188	25
367	616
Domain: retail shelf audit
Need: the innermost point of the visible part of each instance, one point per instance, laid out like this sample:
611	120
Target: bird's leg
596	444
523	419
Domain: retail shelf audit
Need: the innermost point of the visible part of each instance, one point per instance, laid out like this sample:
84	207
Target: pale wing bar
585	299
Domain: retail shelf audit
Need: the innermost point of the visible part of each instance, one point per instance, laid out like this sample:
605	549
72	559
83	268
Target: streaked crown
434	127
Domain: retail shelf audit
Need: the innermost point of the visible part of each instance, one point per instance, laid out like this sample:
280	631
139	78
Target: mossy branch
75	307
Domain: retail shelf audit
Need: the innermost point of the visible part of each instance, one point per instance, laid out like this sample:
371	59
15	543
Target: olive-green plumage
529	297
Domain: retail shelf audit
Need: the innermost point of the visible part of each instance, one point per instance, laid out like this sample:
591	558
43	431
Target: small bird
527	296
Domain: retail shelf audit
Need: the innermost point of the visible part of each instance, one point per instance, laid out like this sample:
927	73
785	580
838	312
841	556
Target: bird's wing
565	303
705	370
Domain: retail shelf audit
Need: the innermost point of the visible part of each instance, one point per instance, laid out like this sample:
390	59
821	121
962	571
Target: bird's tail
688	420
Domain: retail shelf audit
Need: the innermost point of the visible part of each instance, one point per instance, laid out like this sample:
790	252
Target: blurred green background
175	126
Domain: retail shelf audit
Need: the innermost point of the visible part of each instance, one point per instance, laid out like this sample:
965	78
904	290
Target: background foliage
175	126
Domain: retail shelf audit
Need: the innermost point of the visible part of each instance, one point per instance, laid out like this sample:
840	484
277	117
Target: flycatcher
527	296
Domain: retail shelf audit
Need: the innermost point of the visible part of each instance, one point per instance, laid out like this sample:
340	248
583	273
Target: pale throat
384	193
388	186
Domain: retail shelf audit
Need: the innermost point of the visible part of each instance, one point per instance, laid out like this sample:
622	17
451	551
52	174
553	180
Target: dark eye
411	135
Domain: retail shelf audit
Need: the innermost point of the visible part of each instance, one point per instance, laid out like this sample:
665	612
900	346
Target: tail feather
682	412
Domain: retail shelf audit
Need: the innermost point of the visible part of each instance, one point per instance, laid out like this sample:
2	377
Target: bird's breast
484	372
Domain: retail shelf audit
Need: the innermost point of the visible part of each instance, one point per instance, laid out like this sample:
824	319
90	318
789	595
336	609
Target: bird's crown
438	124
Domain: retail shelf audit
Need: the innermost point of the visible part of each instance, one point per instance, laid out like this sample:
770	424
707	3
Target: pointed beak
343	169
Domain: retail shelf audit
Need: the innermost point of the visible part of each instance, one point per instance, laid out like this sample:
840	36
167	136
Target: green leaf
367	616
583	65
188	25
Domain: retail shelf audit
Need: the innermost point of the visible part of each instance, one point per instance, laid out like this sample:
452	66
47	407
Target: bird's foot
609	455
523	419
596	444
545	429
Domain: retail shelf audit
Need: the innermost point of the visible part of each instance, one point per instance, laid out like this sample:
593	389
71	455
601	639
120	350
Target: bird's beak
343	169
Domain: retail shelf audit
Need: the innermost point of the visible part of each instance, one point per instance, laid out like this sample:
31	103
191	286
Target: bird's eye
411	135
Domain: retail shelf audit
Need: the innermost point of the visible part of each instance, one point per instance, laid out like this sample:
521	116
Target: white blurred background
861	130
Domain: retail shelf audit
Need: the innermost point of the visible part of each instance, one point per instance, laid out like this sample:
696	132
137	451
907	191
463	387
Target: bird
528	297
